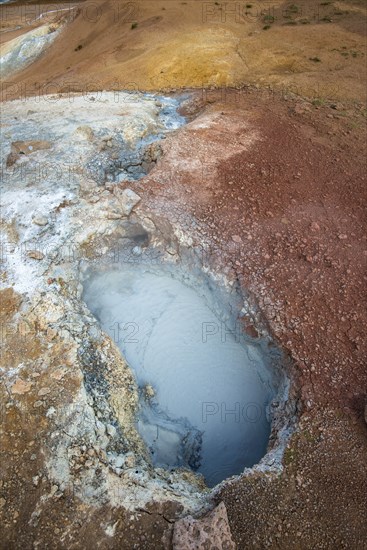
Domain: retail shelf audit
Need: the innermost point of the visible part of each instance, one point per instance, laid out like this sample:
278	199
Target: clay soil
288	219
312	48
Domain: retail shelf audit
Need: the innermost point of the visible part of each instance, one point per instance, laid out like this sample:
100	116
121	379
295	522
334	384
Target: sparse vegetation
307	435
134	25
293	8
345	53
318	102
79	47
315	59
266	27
290	456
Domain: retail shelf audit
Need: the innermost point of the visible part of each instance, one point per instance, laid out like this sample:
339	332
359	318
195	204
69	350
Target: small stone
314	226
85	132
100	428
44	391
111	430
119	461
301	108
342	236
35	480
337	106
149	391
58	374
51	334
35	254
130	461
103	456
40	220
128	200
114	215
20	387
236	239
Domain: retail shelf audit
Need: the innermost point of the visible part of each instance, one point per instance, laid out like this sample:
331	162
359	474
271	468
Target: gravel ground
272	189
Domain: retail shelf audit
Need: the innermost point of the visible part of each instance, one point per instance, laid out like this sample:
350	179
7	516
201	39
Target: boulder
85	132
211	531
128	199
19	148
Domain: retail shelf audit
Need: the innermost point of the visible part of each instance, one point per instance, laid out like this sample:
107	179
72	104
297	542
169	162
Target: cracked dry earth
269	191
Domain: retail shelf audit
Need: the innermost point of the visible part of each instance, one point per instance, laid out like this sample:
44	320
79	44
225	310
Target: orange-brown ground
287	219
313	48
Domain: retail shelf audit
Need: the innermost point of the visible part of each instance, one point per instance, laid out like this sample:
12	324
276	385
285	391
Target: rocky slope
270	200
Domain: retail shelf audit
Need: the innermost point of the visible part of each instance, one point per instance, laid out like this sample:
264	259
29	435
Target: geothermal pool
204	388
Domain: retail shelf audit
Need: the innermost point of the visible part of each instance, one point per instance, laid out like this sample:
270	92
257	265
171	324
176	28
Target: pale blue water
211	391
